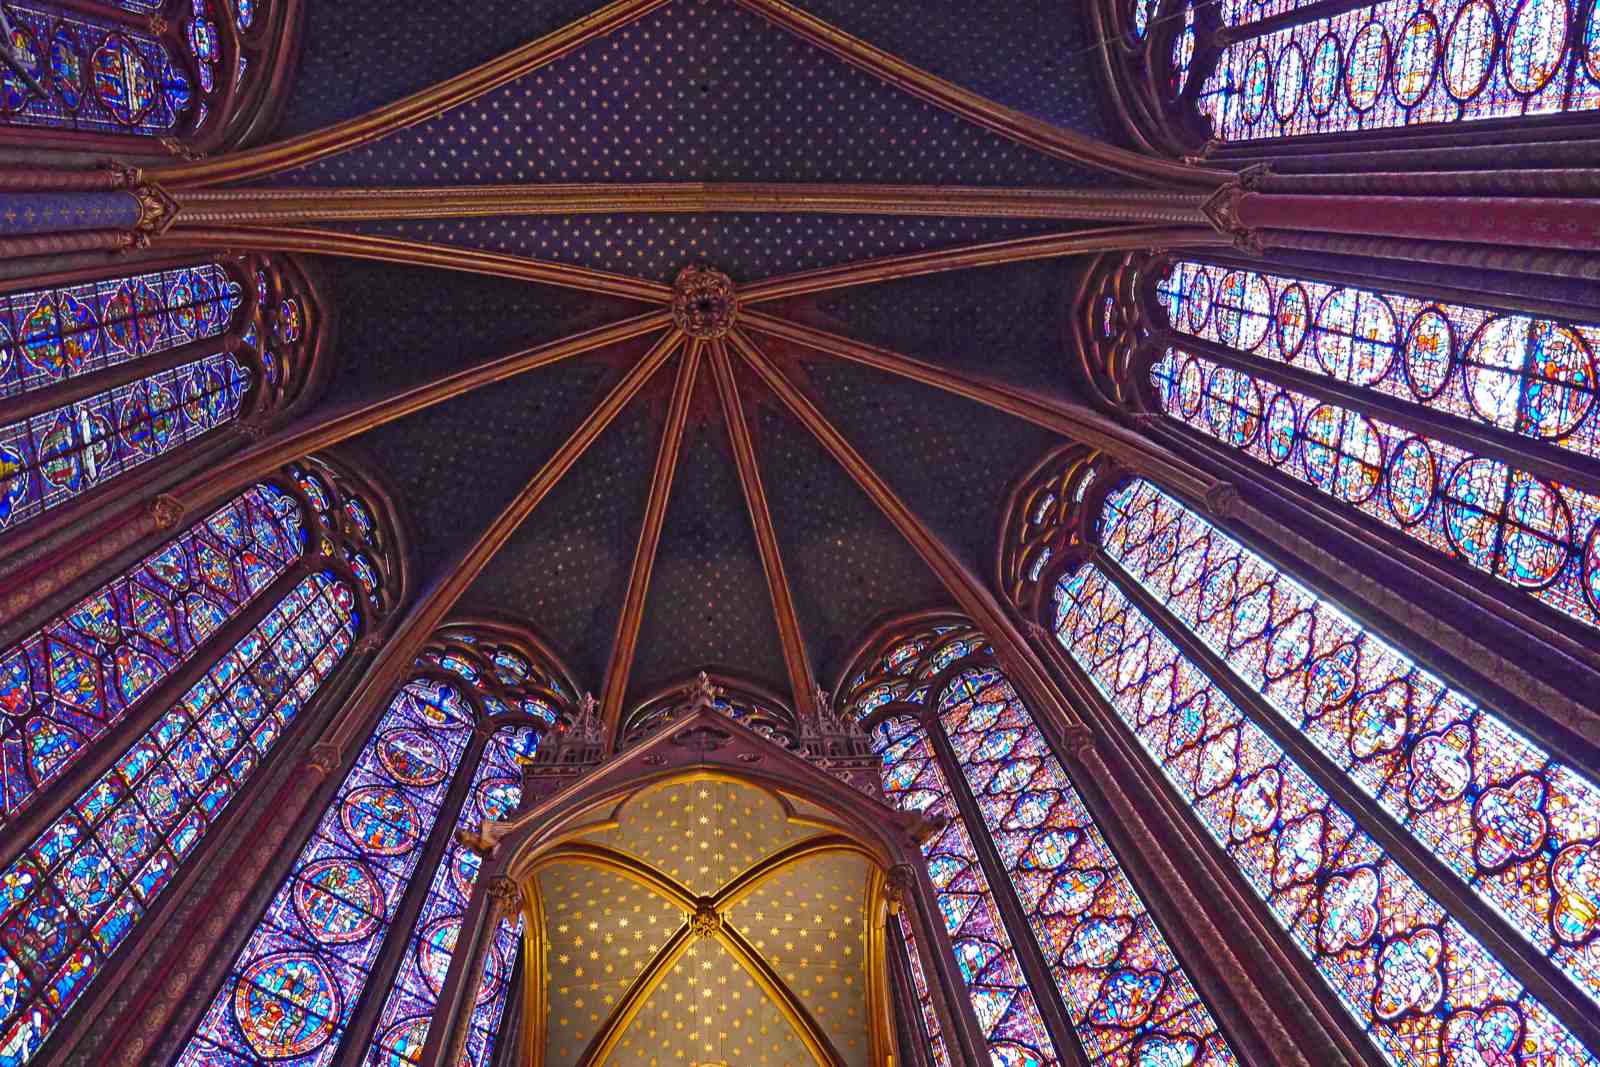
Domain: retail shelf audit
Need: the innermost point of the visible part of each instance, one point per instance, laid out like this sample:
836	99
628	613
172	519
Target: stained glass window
82	886
1410	975
932	1030
52	457
99	77
1404	62
1497	808
402	1028
51	335
1126	993
67	683
1005	1007
1535	534
1530	376
291	990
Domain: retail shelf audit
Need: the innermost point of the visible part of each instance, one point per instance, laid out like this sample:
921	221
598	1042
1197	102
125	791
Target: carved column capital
899	883
1035	629
325	758
177	148
157	209
505	896
1223	500
1221	209
1077	739
369	643
126	175
167	511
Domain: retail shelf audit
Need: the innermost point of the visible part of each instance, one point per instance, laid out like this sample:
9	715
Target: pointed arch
1040	910
142	711
347	961
1316	798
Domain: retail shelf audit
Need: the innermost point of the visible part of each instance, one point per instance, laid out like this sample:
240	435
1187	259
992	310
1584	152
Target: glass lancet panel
83	885
1001	999
932	1030
66	684
1405	62
290	992
1244	12
1410	975
1540	536
52	457
52	335
99	77
1535	377
1513	821
402	1028
1129	998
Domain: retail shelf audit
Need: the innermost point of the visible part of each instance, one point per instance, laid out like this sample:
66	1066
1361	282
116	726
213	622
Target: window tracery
218	363
1520	376
105	70
291	991
80	886
1109	967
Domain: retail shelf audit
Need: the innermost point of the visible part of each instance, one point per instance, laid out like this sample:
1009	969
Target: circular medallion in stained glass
411	757
123	80
1356	336
1469	49
1429	352
1367	66
1591	567
1538	532
14	92
1326	62
1536	44
1530	375
286	1005
499	797
1244	310
12	985
381	819
1257	76
1281	428
1417	58
404	1040
437	942
1289	84
87	880
1413	476
338	899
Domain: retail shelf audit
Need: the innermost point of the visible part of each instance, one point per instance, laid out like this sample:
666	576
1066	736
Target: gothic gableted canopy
800	533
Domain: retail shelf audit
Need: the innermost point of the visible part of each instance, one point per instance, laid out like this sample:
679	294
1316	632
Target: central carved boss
704	303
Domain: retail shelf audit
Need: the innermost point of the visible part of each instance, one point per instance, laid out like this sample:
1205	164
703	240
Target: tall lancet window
373	903
100	378
1260	701
136	715
1469	429
93	74
1044	921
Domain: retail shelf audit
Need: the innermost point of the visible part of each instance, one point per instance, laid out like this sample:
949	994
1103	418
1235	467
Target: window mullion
1029	956
1541	978
386	967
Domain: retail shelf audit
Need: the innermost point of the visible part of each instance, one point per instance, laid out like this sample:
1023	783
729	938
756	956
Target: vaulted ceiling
697	90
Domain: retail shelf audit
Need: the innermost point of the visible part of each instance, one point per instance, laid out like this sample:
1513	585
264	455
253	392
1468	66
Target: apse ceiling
630	976
697	90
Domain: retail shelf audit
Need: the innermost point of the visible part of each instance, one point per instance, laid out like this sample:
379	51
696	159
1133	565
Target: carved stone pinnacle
166	510
704	303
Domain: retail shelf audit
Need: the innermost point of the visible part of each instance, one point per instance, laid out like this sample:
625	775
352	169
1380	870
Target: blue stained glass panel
291	990
60	454
66	684
402	1027
90	877
1495	807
